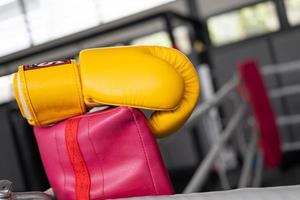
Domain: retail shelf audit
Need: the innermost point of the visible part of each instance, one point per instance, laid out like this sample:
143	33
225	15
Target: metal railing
251	149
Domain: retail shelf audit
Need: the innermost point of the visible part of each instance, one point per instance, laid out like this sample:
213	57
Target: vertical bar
193	8
199	177
26	21
241	142
169	28
250	155
212	124
224	179
282	15
259	167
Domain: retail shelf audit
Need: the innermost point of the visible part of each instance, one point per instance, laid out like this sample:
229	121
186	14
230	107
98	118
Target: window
293	11
241	24
46	20
114	9
182	39
6	88
52	19
181	34
13	33
159	38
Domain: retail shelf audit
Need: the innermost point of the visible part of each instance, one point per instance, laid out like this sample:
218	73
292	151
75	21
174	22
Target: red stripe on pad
259	101
82	178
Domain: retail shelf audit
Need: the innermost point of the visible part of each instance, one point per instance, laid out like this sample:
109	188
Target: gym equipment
103	155
264	145
268	145
148	77
7	194
111	153
165	21
257	97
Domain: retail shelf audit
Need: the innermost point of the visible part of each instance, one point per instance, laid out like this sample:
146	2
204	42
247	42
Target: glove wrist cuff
49	92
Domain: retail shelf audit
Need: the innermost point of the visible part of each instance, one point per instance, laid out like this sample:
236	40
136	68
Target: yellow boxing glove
148	77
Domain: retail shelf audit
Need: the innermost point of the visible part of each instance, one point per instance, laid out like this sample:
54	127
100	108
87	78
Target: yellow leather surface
16	92
129	77
51	94
148	77
164	123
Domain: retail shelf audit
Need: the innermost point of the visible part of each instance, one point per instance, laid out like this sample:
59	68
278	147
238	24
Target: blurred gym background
215	34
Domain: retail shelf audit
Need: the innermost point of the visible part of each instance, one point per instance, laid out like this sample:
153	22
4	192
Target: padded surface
272	193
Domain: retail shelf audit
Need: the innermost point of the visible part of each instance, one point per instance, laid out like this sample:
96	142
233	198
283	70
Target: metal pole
259	167
201	173
169	28
291	146
246	170
281	68
224	179
241	142
214	101
282	15
26	21
285	91
288	120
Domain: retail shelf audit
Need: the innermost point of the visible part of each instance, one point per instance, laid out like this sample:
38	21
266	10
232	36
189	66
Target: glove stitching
28	100
98	160
144	148
78	87
183	71
17	92
60	162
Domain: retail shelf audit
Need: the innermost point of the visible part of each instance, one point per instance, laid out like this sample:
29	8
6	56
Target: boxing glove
148	77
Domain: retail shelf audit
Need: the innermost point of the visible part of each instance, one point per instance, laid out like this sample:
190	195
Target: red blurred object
256	94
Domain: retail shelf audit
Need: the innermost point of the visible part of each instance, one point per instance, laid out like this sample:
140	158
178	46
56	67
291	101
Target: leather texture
49	93
272	193
149	77
103	155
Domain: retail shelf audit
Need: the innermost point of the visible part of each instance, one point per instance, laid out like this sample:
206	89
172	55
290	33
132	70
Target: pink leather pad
108	154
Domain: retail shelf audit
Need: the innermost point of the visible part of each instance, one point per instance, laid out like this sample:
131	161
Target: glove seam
143	146
78	87
96	155
16	93
136	106
28	99
60	161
